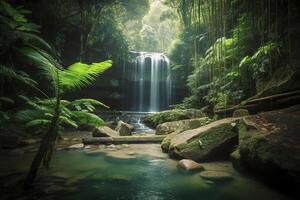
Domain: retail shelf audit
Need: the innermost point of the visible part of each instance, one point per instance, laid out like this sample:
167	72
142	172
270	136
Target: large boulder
165	144
270	145
9	140
124	129
169	127
190	165
172	115
104	131
210	142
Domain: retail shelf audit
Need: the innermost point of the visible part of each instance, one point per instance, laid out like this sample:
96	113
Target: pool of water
110	175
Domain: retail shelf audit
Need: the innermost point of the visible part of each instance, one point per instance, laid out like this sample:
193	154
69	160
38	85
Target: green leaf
37	122
7	100
67	121
88	118
81	75
94	102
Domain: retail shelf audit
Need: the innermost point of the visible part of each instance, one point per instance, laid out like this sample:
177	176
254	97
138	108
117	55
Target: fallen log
124	140
278	101
274	97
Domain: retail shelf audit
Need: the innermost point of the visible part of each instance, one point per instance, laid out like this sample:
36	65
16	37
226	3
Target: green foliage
37	122
31	50
232	69
38	113
11	74
88	118
80	75
88	104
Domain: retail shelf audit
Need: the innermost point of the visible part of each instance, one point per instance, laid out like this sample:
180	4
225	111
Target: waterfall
150	82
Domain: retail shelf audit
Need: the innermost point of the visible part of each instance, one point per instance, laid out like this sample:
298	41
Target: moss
214	136
258	147
165	144
242	130
172	115
240	113
169	127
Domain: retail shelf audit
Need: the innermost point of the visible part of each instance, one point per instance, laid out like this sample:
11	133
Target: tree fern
34	51
88	118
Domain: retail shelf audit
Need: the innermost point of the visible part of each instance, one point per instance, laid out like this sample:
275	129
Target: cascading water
149	87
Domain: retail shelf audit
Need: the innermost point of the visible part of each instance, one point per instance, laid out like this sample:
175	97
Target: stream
127	172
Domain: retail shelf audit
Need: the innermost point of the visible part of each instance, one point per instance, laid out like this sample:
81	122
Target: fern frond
34	40
4	116
80	75
90	101
28	115
66	120
11	74
7	100
44	62
37	122
88	118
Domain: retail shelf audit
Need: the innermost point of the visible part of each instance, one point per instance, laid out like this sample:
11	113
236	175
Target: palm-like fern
23	42
38	113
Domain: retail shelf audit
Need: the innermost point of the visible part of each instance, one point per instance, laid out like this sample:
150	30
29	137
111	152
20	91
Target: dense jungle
149	99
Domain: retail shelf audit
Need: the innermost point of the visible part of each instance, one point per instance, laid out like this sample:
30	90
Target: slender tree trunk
46	147
81	36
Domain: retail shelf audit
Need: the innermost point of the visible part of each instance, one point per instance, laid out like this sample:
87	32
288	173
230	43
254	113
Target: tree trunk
46	147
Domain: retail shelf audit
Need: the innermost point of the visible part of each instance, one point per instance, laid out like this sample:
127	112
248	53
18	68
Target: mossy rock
165	144
169	127
210	142
172	115
236	160
270	145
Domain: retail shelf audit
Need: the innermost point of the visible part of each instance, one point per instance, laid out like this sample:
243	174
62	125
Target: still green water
80	175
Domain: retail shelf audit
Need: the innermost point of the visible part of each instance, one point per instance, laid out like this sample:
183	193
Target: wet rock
104	131
131	153
124	129
235	158
165	144
240	113
76	146
9	140
112	146
190	165
216	176
169	127
111	124
210	142
269	145
172	115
